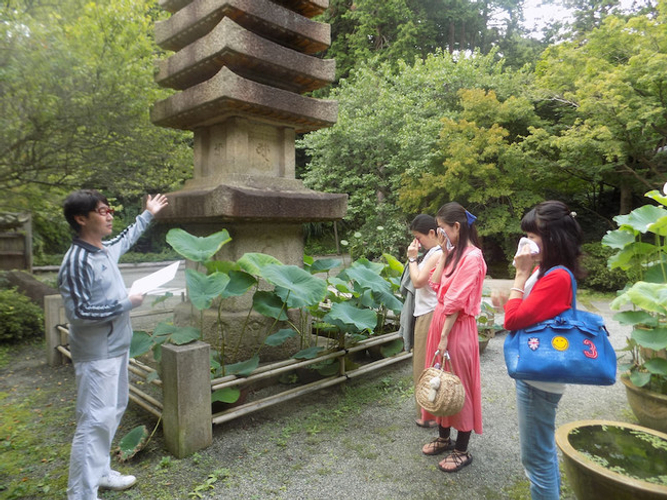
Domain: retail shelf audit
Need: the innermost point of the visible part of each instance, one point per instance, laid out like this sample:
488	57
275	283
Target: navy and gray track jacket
96	301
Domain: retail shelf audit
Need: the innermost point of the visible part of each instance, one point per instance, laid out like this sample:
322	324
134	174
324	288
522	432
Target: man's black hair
81	202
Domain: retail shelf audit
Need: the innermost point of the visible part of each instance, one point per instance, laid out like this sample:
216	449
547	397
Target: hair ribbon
471	218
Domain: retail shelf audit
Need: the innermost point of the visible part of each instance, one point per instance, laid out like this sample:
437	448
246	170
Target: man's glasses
104	211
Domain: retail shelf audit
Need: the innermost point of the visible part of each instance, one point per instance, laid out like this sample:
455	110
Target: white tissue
534	249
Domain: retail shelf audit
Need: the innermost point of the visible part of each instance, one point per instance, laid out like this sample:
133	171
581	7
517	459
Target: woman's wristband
516	289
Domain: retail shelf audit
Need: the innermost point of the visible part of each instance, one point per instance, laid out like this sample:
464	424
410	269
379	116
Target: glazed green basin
591	481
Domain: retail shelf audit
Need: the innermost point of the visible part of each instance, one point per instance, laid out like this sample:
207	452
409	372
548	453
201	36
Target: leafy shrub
128	258
19	317
44	259
599	277
136	257
378	237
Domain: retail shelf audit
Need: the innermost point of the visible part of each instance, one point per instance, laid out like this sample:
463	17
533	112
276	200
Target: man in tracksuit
98	310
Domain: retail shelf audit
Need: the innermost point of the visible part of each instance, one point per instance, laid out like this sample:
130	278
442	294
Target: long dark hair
561	235
449	214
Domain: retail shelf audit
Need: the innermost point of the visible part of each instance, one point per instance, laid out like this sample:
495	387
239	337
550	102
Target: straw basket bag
439	391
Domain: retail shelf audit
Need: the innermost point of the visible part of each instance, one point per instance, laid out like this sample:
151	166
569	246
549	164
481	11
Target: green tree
387	131
482	165
392	30
605	100
76	82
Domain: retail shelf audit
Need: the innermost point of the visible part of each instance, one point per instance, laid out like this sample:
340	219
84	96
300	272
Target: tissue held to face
448	242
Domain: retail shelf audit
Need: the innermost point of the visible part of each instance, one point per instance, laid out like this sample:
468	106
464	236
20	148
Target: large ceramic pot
605	460
649	407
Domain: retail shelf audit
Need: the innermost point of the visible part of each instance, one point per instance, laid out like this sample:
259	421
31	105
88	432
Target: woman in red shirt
534	298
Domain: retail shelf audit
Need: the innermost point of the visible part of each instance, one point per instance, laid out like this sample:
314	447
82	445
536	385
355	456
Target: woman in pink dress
457	280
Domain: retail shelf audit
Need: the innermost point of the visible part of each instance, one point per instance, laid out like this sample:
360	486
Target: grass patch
519	490
586	298
8	352
27	454
353	399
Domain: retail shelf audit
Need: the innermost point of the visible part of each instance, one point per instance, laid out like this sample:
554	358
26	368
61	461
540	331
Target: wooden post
186	386
54	315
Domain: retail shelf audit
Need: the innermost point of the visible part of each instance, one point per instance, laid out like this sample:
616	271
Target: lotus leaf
345	315
239	283
296	287
643	219
195	248
244	368
280	337
655	338
394	264
203	289
132	443
269	304
309	353
253	263
636	318
141	343
324	265
226	395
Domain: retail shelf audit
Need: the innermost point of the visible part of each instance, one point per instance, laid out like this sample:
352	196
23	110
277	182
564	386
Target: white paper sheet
154	280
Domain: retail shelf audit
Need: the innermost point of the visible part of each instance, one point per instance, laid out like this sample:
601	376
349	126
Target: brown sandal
457	458
437	446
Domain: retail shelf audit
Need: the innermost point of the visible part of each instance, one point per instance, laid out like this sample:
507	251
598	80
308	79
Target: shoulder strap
573	281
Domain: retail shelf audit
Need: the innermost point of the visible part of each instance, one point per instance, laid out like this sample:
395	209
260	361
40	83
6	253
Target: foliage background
76	88
438	101
583	122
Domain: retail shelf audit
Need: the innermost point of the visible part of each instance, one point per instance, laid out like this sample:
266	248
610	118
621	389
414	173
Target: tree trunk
462	37
626	199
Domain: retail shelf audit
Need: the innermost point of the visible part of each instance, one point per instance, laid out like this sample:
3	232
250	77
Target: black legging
462	438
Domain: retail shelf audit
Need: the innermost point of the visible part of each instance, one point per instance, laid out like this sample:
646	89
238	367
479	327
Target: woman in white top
424	229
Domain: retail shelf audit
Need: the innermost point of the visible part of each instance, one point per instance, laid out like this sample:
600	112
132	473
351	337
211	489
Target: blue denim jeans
537	427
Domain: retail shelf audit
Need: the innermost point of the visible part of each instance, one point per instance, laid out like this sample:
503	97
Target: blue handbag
572	348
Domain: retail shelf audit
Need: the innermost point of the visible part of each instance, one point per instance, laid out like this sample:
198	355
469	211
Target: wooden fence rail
58	353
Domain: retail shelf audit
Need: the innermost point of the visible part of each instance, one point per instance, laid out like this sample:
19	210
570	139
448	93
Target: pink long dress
462	291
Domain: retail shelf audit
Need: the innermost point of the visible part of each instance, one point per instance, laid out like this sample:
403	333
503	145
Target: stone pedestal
186	386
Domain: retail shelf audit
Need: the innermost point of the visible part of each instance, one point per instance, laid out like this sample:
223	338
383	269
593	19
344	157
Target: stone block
263	17
243	149
186	385
226	203
308	8
248	55
227	94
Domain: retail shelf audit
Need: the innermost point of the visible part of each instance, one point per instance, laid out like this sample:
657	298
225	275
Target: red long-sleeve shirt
550	296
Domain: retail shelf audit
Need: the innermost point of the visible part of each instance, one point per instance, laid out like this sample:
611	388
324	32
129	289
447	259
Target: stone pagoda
241	68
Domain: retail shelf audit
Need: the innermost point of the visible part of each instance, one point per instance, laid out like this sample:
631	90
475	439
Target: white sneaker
116	481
